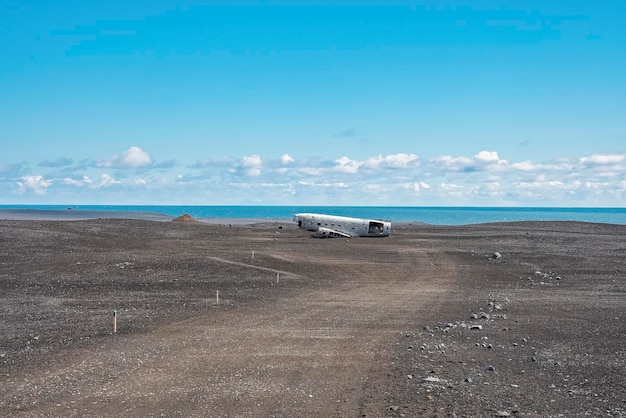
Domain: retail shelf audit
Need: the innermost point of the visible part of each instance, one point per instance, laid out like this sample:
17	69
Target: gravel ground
519	319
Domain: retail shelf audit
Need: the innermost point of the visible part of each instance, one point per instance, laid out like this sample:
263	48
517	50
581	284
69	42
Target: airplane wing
331	233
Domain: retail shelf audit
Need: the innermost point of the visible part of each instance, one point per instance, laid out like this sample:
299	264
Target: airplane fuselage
327	226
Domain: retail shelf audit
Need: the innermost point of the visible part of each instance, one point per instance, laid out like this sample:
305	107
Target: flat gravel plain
523	319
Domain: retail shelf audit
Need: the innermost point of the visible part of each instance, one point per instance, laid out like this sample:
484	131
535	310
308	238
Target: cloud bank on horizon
403	103
135	177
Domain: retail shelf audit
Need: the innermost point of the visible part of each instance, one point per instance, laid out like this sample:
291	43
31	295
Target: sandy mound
185	218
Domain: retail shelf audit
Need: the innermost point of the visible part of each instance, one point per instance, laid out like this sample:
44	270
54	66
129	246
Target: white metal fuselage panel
345	225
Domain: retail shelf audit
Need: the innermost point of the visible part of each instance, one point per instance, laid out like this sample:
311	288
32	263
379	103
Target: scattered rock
432	379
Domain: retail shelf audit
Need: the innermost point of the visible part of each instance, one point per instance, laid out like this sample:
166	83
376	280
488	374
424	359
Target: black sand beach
509	319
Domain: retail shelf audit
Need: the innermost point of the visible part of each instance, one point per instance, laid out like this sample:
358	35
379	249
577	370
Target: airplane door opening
376	228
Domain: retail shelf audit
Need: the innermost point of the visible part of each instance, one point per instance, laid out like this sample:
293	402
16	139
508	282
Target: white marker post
253	254
277	277
114	322
217	297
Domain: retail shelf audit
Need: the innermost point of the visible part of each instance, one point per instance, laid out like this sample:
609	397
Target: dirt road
309	353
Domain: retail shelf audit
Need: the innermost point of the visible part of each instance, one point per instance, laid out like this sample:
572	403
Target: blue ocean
429	215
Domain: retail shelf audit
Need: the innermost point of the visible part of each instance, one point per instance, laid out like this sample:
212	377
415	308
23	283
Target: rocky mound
185	218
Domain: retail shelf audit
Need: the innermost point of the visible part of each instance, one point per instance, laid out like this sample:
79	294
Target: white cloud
525	166
396	179
603	159
491	161
538	185
484	160
274	185
346	165
106	181
285	159
451	187
452	163
252	161
324	185
84	181
35	183
557	166
416	186
312	171
375	188
595	185
493	186
252	165
392	161
489	156
134	157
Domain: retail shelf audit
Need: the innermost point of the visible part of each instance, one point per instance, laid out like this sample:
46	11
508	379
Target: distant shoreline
77	214
258	214
70	214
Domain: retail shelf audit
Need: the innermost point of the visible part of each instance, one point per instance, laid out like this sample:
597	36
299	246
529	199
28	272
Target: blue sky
408	103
